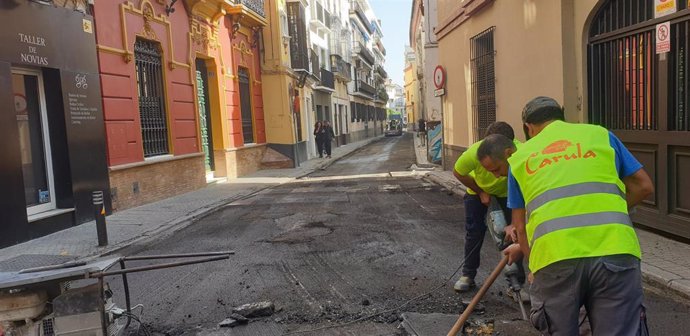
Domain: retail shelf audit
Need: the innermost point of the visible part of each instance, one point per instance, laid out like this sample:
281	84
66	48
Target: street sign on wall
664	7
663	37
439	78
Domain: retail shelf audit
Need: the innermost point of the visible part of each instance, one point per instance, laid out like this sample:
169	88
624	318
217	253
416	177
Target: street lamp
302	79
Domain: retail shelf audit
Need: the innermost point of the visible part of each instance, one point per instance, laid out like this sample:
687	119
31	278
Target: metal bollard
99	216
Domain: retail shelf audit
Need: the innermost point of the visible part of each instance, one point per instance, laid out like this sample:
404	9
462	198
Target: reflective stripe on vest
578	189
583	220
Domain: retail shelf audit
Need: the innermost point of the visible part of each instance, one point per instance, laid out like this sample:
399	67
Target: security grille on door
154	127
623	69
483	81
246	106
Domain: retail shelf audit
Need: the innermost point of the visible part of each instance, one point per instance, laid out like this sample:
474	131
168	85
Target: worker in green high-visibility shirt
481	185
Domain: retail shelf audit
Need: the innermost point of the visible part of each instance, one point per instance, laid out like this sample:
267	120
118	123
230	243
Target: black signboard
60	44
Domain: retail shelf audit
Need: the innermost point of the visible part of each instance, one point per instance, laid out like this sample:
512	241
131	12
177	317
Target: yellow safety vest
574	199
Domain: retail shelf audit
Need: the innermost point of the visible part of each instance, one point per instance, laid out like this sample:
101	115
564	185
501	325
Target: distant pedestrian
422	131
320	136
330	135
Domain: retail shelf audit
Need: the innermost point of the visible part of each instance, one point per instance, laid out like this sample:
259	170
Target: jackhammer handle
485	287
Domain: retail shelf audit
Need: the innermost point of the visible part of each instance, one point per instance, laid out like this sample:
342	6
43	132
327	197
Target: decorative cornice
146	11
203	34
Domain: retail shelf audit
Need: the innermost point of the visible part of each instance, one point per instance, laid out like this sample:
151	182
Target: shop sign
664	7
47	36
82	101
32	49
663	37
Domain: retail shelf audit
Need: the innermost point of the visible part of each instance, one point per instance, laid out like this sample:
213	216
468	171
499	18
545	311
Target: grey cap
541	109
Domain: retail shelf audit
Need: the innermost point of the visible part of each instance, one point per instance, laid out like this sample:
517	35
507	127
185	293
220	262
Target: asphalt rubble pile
241	315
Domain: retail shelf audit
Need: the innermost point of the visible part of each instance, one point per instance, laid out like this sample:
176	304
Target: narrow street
359	238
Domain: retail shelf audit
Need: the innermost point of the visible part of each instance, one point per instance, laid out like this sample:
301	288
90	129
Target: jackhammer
496	223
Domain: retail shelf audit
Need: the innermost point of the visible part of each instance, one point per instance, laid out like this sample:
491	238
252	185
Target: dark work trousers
319	146
475	229
609	287
327	145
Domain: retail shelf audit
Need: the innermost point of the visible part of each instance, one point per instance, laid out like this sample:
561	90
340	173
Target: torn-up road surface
348	247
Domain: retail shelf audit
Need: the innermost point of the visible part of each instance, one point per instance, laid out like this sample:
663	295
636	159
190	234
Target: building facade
599	58
146	99
412	102
53	148
182	94
367	60
322	53
396	101
425	47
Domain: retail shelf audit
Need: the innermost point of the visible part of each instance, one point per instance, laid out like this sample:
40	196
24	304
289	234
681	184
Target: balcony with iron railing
364	53
299	60
341	43
381	71
381	94
327	82
341	69
363	87
250	12
297	28
320	17
315	68
257	6
357	10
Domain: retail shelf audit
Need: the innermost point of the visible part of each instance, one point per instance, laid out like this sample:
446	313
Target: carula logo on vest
557	152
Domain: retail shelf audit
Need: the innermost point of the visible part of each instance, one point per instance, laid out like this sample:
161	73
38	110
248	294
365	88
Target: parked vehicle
393	128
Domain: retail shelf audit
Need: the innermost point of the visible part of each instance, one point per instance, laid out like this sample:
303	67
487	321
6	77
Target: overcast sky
395	21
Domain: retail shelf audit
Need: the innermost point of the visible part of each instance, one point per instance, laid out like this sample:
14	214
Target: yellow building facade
598	58
286	127
546	59
412	103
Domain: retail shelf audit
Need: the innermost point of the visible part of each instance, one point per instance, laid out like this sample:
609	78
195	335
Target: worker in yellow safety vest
570	187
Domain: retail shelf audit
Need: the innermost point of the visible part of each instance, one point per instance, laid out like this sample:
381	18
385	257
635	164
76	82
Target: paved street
363	236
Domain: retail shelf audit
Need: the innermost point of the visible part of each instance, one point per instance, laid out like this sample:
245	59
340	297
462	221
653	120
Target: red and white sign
663	37
439	77
664	7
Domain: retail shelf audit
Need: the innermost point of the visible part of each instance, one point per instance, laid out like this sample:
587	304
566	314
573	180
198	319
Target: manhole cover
24	261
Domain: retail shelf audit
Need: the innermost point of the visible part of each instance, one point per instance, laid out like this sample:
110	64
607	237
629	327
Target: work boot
464	284
524	295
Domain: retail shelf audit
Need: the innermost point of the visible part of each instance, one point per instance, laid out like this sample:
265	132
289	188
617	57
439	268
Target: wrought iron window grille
149	74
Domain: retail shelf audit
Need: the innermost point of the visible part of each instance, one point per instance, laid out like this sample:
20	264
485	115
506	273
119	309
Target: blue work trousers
475	229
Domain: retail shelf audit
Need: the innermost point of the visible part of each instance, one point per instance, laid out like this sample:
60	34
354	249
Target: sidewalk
665	262
151	221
